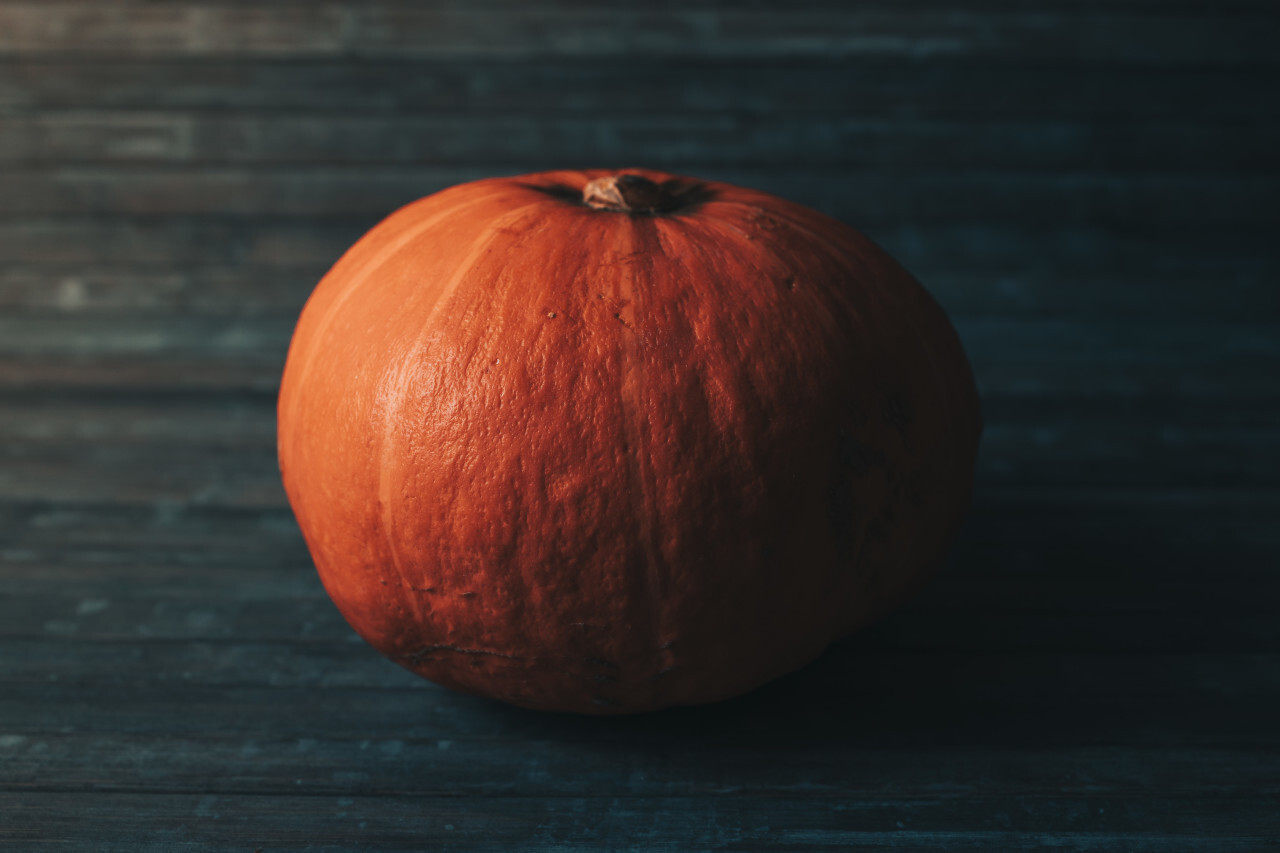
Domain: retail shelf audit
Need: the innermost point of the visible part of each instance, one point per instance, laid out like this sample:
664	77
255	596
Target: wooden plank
221	476
247	477
169	373
604	87
218	291
902	715
1103	296
1065	600
390	766
161	533
674	141
1013	358
345	661
866	198
167	822
122	243
215	422
225	455
899	705
80	245
1094	534
462	31
230	290
250	338
198	423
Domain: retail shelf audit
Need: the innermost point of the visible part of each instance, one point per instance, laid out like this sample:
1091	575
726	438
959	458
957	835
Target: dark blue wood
1088	188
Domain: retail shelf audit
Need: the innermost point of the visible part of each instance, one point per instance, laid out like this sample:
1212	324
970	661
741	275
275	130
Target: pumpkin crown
627	193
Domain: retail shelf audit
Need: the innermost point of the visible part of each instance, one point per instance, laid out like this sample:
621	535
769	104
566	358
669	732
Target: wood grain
704	141
1087	187
1193	98
864	199
192	822
511	31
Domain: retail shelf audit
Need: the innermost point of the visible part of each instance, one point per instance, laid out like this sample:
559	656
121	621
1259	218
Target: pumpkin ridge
632	400
395	399
371	267
874	261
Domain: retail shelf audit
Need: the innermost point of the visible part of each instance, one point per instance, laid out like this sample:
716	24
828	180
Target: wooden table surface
1088	187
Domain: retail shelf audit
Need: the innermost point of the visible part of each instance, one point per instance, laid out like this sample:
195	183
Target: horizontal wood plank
760	89
390	765
865	198
1069	600
904	714
1041	359
319	663
224	453
463	31
167	822
1175	531
1041	294
1086	186
78	244
851	695
681	143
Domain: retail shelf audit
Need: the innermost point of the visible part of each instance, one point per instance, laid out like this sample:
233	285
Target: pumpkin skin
606	460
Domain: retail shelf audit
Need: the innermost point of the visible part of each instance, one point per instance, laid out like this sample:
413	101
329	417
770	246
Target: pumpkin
608	443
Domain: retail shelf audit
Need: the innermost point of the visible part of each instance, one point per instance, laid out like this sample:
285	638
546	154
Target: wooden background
1090	188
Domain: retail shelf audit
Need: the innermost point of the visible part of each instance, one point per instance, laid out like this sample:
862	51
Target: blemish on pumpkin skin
467	595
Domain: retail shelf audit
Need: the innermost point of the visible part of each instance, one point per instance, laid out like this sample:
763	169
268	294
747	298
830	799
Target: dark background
1090	189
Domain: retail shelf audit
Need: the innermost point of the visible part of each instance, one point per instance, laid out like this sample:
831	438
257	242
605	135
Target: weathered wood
1041	359
1087	187
291	30
602	86
172	373
73	245
901	716
1175	534
159	821
223	453
387	764
981	603
321	662
865	198
705	141
1034	293
218	422
205	291
172	244
147	535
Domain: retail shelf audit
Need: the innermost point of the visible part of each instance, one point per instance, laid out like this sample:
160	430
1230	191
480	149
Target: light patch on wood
72	294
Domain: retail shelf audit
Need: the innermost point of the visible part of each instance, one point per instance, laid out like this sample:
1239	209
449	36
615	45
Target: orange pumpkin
609	443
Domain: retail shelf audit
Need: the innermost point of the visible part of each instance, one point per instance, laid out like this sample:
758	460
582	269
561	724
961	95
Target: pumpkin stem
627	193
